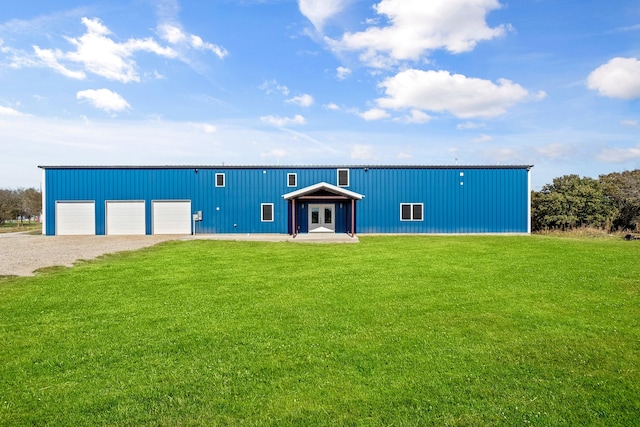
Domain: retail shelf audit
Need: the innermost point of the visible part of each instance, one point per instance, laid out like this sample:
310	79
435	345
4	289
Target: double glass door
322	218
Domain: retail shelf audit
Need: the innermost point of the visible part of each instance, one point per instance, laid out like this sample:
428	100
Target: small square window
292	180
343	177
411	211
220	180
266	214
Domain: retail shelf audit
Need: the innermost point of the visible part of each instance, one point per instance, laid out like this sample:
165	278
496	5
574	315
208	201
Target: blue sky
552	83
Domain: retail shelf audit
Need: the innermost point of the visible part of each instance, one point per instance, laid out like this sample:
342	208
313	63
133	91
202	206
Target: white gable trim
338	191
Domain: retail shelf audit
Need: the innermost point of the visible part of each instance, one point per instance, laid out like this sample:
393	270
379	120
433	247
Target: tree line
611	202
20	205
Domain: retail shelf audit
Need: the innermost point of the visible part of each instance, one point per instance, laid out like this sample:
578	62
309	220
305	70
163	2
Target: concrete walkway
300	238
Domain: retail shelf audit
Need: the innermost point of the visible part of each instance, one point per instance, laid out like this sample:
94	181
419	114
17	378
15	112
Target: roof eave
322	186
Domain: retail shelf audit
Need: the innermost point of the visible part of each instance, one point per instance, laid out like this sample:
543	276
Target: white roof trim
339	191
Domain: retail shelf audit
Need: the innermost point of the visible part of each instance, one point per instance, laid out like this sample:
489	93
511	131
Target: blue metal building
285	199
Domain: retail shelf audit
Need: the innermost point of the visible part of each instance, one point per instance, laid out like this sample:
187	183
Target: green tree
570	202
9	205
624	190
31	203
19	204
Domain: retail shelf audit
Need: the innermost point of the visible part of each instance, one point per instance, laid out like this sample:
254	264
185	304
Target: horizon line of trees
20	204
611	203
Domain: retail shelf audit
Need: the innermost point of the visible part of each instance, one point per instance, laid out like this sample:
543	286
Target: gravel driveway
22	254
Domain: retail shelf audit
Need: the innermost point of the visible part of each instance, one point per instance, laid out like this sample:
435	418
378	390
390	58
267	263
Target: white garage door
75	218
172	217
126	217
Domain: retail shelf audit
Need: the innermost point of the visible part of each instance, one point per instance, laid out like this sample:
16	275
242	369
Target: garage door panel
172	217
126	218
75	218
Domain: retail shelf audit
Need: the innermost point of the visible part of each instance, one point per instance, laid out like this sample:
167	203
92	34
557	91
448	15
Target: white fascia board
322	186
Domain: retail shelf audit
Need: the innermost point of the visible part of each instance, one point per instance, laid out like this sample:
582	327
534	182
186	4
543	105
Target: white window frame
412	205
338	177
295	179
224	180
262	206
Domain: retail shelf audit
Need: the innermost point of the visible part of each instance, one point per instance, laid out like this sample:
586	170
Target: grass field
469	330
12	227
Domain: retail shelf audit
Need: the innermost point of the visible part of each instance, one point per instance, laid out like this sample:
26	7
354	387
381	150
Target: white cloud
103	56
556	150
469	125
8	111
332	106
440	91
104	99
483	138
416	117
618	78
304	100
502	155
417	27
619	155
207	128
176	36
374	114
362	152
172	34
283	121
342	73
98	54
49	58
630	123
277	153
627	29
319	11
272	86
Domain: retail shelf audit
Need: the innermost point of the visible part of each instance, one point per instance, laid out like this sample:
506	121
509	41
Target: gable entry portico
322	208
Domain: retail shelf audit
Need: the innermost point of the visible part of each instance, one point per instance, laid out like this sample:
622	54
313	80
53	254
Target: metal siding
491	199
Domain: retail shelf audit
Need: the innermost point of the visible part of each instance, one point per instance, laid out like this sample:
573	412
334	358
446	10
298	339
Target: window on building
220	180
343	177
411	211
266	212
292	180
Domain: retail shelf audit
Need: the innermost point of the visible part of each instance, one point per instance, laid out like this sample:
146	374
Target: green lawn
12	227
473	330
